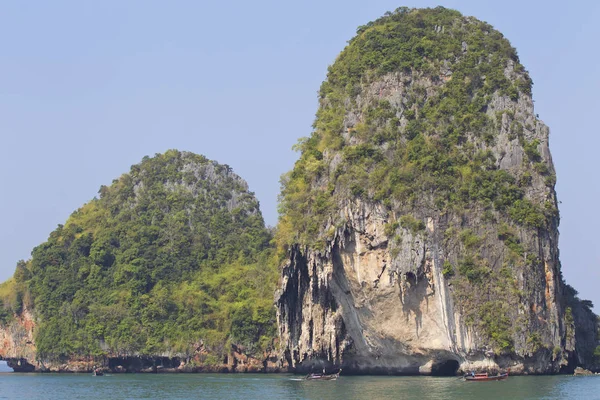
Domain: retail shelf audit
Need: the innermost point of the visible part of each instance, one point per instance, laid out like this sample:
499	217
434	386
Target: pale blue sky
88	88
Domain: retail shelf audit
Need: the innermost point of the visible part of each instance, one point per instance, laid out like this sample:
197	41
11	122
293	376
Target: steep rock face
16	342
355	305
582	329
422	216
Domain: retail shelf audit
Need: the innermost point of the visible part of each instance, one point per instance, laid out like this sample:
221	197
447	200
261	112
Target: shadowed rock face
458	274
20	365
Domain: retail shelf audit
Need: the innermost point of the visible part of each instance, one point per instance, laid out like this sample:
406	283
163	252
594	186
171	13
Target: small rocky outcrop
582	372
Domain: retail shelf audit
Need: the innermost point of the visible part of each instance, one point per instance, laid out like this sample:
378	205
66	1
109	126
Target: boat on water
322	376
97	372
485	377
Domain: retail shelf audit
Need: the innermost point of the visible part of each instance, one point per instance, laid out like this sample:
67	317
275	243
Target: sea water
4	367
285	386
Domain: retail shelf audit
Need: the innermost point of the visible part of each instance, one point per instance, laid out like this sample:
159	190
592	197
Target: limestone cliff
421	216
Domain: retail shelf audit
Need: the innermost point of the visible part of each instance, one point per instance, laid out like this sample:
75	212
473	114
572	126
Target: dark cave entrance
445	368
571	364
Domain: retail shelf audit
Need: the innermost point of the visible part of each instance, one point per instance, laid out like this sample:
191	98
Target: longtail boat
323	376
485	377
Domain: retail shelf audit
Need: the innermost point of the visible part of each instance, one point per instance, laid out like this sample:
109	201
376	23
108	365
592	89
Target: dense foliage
8	304
172	255
433	146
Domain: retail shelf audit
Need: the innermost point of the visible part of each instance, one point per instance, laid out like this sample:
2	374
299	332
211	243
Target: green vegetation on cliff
436	140
8	301
172	255
417	114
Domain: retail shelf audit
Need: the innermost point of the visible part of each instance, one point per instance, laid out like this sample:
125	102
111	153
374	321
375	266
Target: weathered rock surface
16	342
357	306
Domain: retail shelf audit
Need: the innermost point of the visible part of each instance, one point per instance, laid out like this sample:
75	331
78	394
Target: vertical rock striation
16	342
421	217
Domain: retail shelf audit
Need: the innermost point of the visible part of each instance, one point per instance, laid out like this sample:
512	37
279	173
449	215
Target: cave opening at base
569	368
445	368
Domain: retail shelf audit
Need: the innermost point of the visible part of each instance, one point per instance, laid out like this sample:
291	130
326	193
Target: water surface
4	367
265	387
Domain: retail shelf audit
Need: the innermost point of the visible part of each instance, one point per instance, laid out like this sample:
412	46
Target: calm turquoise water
263	387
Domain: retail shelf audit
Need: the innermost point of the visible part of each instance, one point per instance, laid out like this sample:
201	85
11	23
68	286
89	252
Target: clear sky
87	88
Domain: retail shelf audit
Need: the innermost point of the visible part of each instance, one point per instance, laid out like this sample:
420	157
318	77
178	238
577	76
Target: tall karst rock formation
421	215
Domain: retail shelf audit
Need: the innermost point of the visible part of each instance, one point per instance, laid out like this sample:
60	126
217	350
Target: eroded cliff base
235	362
